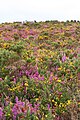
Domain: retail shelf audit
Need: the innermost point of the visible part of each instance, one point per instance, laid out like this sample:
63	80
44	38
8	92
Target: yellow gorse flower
26	84
60	68
36	99
52	100
37	118
5	45
11	103
62	105
70	63
40	37
59	80
15	88
68	102
46	116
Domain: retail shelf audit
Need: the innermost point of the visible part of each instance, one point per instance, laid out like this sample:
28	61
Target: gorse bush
7	57
17	47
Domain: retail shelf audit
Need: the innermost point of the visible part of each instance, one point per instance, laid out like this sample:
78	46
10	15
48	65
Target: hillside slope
40	70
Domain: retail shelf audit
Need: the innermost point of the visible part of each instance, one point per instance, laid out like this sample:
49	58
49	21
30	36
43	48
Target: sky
39	10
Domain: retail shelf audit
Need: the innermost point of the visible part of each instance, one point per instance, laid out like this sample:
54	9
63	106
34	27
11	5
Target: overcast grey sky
39	10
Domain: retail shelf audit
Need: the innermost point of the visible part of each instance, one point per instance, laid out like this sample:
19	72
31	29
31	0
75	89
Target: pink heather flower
20	73
14	80
40	78
16	99
56	68
1	113
31	32
48	106
36	107
27	73
63	58
58	118
1	79
51	76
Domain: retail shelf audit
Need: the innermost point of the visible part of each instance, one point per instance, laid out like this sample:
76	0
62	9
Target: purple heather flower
14	80
36	107
31	32
56	68
60	93
6	38
48	106
26	72
42	78
1	112
58	118
20	73
36	74
63	58
14	111
16	99
51	78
